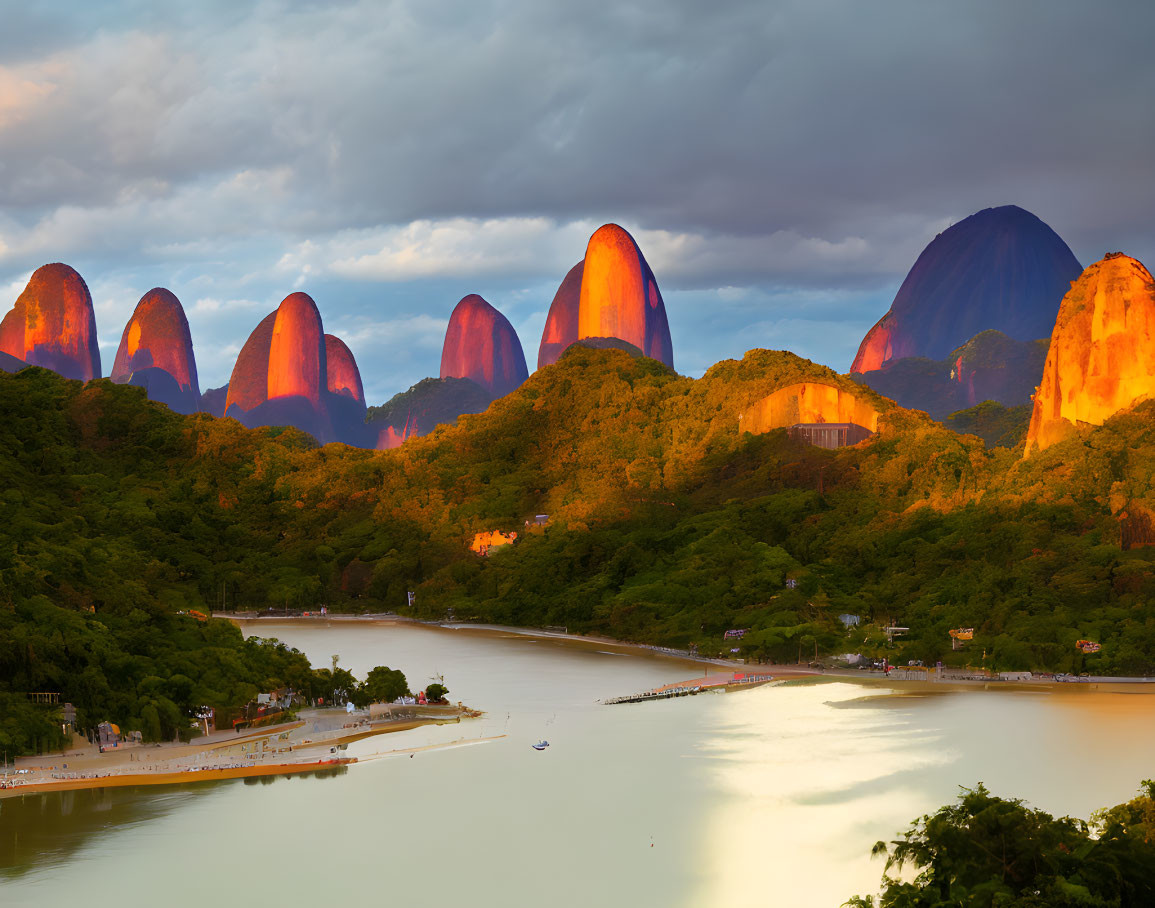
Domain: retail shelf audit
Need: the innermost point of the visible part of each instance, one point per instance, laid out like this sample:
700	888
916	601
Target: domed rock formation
620	297
248	385
481	345
612	292
53	325
561	325
343	377
1001	268
292	389
156	352
297	351
808	402
1102	355
345	394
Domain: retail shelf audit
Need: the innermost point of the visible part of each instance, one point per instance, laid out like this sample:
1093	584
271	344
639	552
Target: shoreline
212	760
899	679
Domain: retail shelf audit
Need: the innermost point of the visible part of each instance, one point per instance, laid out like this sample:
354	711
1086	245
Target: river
767	797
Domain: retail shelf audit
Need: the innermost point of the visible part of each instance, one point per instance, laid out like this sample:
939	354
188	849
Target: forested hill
666	524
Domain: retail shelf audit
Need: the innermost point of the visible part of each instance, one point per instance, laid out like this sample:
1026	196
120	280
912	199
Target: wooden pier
709	684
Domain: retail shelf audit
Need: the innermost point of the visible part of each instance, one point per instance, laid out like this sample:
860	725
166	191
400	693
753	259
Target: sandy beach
315	741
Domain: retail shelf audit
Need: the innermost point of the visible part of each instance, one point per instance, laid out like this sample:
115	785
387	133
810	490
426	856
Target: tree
435	692
989	851
384	685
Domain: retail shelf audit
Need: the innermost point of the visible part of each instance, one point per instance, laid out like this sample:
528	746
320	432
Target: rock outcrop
481	345
297	351
992	366
156	352
1102	355
430	403
561	325
290	372
343	378
612	292
1001	268
249	383
214	399
988	367
620	297
345	394
53	325
808	402
9	363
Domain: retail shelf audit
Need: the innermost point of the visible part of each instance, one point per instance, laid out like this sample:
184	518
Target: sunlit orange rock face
343	375
1102	355
297	351
808	402
610	293
561	325
481	345
291	373
156	352
53	325
876	349
249	382
620	297
292	387
1000	268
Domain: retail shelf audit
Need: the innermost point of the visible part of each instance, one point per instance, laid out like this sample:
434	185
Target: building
829	434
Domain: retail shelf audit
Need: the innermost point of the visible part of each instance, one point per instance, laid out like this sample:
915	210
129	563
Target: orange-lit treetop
52	324
1102	354
157	336
481	344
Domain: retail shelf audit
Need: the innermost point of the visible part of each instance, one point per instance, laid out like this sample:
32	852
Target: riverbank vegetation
986	851
666	524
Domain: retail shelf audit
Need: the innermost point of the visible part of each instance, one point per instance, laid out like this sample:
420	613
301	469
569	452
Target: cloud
19	96
770	158
542	247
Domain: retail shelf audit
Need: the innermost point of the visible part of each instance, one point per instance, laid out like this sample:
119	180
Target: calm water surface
770	797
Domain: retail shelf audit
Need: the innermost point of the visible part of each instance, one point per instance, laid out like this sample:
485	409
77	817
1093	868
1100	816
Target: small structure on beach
107	735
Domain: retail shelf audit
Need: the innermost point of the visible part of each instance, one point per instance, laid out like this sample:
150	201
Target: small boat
540	745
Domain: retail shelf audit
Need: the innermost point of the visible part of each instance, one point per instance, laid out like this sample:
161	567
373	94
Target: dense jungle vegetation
667	525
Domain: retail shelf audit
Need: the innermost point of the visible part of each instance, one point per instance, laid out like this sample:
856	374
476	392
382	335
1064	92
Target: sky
781	164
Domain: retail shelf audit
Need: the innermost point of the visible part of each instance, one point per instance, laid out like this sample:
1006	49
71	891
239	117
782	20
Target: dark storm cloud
801	150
